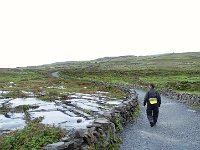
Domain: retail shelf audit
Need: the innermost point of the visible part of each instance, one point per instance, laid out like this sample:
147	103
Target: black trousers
152	114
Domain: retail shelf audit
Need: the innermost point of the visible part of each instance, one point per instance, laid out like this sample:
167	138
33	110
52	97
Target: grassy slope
177	71
173	61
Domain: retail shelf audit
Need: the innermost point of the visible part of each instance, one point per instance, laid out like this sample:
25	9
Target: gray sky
45	31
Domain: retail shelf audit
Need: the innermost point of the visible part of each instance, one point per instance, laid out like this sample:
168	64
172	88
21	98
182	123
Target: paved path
178	128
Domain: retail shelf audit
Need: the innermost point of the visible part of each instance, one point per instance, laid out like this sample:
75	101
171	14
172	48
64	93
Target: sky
47	31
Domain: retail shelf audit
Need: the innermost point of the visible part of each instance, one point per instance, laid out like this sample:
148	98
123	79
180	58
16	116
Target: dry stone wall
183	97
103	131
191	99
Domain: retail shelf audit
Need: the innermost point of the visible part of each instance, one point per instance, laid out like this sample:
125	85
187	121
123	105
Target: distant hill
189	61
119	58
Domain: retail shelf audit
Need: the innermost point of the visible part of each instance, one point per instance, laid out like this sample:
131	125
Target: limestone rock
79	133
56	146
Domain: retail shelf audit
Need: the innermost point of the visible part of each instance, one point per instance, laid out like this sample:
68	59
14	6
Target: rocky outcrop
103	131
191	99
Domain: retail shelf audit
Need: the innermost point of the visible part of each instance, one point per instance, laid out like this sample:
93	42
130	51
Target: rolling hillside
178	71
182	61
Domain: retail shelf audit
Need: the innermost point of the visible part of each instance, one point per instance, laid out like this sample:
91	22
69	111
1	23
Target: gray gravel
178	128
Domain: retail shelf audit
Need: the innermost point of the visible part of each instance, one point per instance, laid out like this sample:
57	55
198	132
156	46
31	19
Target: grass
82	79
177	71
34	136
181	83
179	80
195	107
41	81
136	113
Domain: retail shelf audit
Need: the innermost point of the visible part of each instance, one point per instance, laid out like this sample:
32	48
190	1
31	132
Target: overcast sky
44	31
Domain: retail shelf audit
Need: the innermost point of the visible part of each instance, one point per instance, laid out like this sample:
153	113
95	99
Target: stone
69	146
96	134
126	103
66	139
107	115
67	102
79	120
120	107
56	146
89	137
96	125
79	133
90	126
101	121
84	147
1	97
78	142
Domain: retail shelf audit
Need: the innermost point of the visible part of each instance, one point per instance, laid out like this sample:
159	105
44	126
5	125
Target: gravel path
178	128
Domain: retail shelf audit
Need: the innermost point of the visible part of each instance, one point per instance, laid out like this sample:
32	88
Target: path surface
178	128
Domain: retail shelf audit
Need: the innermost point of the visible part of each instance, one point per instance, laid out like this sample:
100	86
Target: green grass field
180	72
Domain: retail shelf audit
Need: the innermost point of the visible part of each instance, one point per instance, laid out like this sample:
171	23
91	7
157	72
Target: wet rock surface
76	112
103	129
90	119
178	128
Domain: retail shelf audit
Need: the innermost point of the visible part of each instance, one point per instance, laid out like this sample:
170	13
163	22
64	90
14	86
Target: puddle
81	107
56	87
73	125
52	117
28	93
26	101
84	104
114	102
190	110
96	97
13	123
4	92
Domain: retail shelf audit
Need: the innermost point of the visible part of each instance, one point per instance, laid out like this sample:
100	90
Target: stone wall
188	98
191	99
102	133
